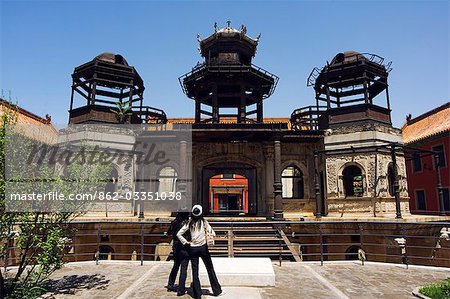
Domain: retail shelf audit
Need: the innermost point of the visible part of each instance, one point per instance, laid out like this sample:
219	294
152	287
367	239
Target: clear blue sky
42	42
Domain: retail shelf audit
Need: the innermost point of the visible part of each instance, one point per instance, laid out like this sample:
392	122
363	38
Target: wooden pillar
130	94
71	96
198	106
388	103
278	187
94	90
215	105
241	108
259	108
366	89
327	92
141	97
121	95
338	97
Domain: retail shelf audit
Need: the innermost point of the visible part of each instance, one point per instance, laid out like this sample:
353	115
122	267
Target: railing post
230	237
321	244
279	244
6	255
361	240
142	244
97	253
7	248
405	253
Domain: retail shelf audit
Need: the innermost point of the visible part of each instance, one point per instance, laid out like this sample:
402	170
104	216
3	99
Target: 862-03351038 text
142	195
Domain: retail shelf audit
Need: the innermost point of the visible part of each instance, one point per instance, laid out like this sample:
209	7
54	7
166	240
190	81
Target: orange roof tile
32	125
428	124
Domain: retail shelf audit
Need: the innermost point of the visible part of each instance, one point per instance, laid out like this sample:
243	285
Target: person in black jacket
180	255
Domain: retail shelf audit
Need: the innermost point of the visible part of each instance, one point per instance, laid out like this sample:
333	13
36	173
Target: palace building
428	169
340	156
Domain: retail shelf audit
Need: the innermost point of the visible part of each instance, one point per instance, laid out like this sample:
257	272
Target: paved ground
293	280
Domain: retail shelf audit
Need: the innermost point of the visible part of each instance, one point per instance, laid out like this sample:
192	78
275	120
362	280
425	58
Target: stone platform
241	271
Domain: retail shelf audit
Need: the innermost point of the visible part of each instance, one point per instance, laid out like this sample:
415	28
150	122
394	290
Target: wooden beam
295	253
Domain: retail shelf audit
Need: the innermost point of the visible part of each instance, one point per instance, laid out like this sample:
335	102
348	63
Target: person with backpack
201	234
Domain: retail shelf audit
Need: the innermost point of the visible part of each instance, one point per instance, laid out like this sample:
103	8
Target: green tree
40	237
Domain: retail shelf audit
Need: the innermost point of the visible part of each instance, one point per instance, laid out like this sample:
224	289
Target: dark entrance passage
228	194
229	202
229	189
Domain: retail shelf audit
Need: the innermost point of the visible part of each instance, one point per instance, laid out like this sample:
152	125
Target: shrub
438	290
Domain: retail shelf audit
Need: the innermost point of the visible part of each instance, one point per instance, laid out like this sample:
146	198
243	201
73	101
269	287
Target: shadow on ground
190	291
70	284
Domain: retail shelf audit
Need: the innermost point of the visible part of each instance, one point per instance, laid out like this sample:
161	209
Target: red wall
426	179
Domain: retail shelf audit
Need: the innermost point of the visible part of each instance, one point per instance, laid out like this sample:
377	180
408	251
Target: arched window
391	179
167	180
292	180
112	185
353	181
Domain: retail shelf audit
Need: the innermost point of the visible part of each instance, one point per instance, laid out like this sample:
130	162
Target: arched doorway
292	180
106	252
352	253
229	189
228	194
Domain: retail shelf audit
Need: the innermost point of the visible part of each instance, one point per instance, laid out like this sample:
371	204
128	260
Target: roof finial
228	24
215	27
258	37
244	29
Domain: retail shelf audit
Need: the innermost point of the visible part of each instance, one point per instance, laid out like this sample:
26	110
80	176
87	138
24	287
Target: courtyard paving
115	279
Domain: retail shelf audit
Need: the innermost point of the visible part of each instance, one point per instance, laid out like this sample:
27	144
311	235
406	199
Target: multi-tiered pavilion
333	157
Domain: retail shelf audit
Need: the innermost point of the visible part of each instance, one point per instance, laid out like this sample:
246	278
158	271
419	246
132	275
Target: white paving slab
241	271
239	292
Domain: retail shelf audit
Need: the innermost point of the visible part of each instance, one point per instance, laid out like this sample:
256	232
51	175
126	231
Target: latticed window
421	201
292	180
416	162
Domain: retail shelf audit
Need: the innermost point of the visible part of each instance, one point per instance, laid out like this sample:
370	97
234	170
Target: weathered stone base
372	206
